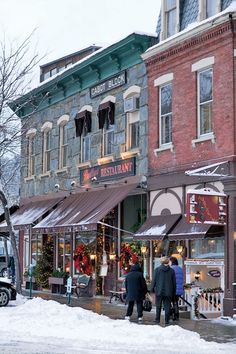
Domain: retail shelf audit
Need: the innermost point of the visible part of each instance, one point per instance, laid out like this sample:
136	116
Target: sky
64	27
40	326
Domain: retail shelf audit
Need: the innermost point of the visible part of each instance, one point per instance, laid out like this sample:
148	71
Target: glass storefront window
60	253
64	253
36	248
207	248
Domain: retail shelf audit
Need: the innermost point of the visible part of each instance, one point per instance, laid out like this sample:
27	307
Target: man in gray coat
164	286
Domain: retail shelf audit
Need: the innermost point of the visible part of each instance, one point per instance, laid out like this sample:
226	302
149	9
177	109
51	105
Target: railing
201	303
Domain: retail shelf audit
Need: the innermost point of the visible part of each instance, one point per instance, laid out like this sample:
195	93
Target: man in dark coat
136	289
164	286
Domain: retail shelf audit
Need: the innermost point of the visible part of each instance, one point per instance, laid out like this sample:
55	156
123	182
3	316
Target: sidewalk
116	310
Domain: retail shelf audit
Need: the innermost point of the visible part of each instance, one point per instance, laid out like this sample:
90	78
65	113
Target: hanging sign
215	273
205	206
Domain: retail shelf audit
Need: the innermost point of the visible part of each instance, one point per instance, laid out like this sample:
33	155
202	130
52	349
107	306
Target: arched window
63	141
46	146
31	135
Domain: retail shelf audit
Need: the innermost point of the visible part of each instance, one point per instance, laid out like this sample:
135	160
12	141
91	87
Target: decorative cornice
188	43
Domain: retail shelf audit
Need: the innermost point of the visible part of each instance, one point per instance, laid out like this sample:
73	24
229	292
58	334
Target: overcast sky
65	26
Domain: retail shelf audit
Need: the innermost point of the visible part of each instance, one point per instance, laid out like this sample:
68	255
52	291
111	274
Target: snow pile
72	329
225	320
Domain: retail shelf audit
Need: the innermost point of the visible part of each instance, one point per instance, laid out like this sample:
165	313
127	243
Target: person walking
179	276
136	289
164	286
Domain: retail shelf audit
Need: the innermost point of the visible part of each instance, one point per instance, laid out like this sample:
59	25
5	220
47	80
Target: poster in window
103	270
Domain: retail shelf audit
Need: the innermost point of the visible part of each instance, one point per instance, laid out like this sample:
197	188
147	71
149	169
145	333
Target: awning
82	119
157	227
31	210
106	111
186	231
83	210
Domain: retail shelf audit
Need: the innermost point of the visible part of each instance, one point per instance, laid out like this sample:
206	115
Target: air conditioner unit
131	104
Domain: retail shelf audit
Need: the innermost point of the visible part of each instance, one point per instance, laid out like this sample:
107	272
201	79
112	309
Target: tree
15	80
44	267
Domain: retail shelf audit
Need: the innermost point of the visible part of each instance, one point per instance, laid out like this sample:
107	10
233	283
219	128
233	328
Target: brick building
191	81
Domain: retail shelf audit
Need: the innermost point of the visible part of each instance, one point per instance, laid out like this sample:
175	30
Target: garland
81	258
128	256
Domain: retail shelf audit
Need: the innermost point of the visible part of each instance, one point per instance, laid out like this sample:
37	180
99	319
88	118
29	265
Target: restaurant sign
111	83
206	206
109	171
215	273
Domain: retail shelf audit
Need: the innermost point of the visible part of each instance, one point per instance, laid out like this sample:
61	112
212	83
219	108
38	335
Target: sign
215	273
108	85
106	172
207	207
103	270
69	285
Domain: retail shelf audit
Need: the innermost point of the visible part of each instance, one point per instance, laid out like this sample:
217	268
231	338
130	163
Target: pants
131	307
176	307
166	300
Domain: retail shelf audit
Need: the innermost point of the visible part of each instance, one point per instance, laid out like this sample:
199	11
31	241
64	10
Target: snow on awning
31	210
157	227
82	211
186	231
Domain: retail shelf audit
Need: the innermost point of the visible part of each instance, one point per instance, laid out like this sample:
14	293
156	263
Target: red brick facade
178	59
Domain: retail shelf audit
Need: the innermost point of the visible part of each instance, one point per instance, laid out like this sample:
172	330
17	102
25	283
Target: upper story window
131	107
165	120
63	141
208	8
31	136
170	14
83	124
205	100
169	18
47	143
106	120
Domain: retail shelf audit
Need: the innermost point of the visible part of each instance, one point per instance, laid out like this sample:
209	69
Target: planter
57	285
34	285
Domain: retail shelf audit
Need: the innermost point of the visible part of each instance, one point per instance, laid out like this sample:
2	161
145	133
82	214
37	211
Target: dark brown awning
106	111
83	119
83	210
157	227
31	210
186	231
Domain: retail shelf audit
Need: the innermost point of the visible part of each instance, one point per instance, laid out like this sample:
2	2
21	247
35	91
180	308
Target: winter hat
164	260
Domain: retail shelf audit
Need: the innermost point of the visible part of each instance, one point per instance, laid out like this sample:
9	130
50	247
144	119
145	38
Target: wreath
81	258
128	256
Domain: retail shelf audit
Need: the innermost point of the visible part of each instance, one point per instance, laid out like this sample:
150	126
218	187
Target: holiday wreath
128	256
81	258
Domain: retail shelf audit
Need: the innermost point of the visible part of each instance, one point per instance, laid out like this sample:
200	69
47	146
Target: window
30	135
63	143
108	138
211	9
85	144
207	248
208	8
165	122
47	141
53	71
170	14
106	120
133	130
205	100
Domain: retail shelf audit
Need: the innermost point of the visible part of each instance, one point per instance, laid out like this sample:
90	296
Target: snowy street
40	326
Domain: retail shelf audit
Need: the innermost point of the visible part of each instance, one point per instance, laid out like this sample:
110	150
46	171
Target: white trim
63	119
31	133
164	79
210	136
131	91
169	146
163	33
84	164
46	126
108	99
130	153
86	108
61	170
105	159
234	52
203	64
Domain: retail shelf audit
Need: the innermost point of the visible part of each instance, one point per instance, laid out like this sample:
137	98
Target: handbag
147	304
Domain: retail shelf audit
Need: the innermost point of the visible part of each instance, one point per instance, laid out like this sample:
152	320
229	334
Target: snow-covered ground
40	326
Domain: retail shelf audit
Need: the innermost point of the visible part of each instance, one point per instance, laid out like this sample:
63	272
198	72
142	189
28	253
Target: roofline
181	36
70	55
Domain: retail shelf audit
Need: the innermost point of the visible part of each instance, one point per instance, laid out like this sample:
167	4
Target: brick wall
178	59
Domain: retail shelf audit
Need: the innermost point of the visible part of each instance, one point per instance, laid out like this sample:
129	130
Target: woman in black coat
136	289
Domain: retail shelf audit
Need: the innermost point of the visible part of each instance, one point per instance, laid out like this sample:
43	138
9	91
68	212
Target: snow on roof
92	54
190	27
152	231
